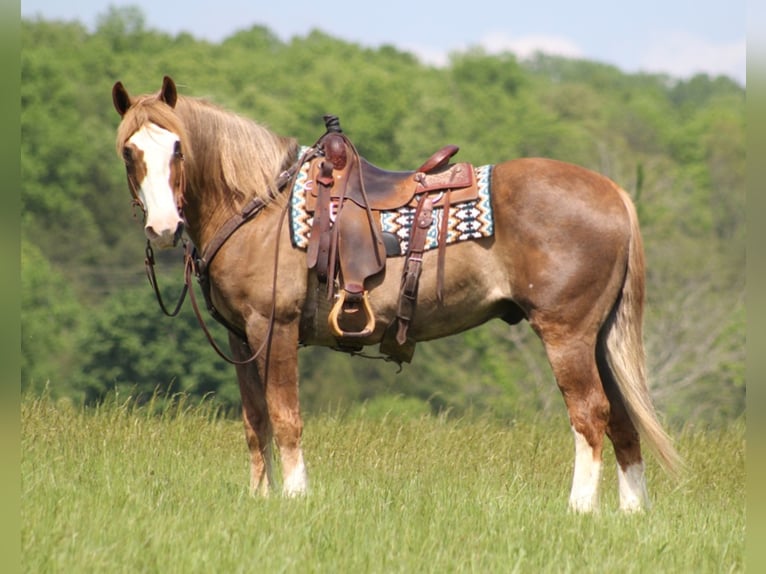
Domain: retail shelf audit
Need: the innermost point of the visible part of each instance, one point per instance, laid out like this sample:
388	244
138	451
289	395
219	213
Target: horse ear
169	94
120	98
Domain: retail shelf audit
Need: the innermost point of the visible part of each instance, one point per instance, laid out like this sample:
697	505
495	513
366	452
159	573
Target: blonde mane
224	153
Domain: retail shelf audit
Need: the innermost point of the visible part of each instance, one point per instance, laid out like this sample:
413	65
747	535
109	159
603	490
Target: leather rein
198	265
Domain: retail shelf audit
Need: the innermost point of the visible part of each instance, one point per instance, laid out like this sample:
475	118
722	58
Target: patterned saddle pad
467	220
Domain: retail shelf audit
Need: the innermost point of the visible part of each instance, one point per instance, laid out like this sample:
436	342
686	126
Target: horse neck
205	212
222	177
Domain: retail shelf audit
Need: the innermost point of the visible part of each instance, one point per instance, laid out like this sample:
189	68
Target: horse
566	255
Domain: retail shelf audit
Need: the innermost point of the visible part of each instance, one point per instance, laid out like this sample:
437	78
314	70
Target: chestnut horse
566	255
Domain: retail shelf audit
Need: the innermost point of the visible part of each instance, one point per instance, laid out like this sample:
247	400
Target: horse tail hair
622	338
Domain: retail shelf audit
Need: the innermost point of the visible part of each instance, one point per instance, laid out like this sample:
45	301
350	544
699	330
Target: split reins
149	263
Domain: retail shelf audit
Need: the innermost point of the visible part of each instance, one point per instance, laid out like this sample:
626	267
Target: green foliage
135	350
119	489
50	319
684	141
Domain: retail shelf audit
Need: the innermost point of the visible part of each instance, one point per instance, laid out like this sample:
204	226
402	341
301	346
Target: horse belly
475	290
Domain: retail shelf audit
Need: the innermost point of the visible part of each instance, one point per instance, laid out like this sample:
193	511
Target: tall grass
119	489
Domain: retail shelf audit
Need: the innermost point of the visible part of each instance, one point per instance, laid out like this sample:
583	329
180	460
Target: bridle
179	186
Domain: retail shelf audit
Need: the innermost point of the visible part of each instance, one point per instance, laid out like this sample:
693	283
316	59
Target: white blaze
155	191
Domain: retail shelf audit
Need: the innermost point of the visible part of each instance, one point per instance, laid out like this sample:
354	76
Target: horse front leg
279	369
255	415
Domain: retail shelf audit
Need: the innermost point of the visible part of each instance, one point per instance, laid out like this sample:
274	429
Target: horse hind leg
574	367
258	431
625	439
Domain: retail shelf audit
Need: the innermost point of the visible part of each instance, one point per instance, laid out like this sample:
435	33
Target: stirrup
336	311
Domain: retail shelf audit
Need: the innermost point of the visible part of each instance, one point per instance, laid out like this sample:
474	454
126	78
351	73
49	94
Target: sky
676	37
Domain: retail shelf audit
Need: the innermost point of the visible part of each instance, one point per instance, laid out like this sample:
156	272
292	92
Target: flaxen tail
625	352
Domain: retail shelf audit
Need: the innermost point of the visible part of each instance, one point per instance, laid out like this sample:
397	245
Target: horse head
149	141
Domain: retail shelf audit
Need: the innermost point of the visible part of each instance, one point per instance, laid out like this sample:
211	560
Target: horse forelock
149	110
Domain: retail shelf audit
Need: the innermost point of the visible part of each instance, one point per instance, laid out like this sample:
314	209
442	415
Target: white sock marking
632	484
587	473
296	482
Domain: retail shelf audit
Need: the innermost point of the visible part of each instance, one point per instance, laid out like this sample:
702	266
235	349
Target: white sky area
676	37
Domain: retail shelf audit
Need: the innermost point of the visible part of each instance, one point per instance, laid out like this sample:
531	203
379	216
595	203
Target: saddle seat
346	195
384	190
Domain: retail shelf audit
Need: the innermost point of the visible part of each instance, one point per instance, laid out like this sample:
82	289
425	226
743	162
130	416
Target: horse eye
127	154
177	151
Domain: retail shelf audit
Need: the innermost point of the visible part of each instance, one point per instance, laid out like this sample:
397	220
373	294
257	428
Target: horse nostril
150	232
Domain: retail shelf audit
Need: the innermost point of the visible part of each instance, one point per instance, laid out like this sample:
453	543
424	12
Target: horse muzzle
164	236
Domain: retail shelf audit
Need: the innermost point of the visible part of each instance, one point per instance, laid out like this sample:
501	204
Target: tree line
89	321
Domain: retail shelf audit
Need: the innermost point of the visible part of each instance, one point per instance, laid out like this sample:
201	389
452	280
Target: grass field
120	490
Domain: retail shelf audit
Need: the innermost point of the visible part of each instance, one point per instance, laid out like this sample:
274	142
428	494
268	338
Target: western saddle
347	246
